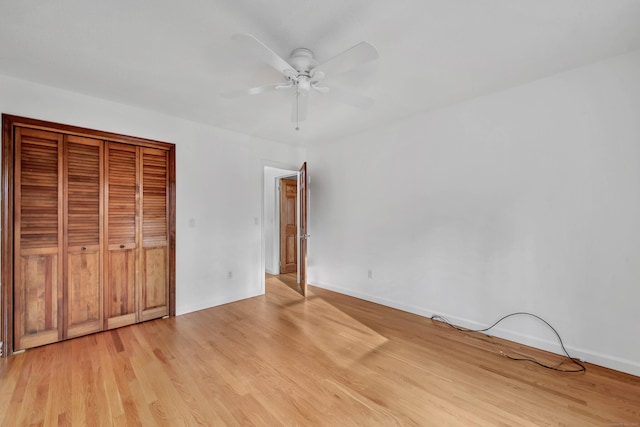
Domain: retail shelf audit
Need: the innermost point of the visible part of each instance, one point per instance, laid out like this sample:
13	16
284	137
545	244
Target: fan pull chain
297	109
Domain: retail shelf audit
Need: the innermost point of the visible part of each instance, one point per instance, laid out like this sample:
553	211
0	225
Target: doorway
282	253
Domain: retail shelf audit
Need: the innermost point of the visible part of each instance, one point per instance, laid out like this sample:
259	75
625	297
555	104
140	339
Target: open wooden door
288	226
302	265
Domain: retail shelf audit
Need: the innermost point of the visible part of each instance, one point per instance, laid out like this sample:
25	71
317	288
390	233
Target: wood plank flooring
278	359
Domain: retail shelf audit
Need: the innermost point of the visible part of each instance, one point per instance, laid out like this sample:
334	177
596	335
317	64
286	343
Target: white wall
272	218
219	185
528	199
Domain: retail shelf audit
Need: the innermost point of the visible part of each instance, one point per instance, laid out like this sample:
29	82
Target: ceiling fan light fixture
304	84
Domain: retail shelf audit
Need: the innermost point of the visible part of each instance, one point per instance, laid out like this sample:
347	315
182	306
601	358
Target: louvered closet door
83	284
154	301
121	233
37	238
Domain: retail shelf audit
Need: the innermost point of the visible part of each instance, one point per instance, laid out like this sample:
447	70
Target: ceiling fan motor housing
302	60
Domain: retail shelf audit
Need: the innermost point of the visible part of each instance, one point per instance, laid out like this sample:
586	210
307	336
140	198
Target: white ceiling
176	57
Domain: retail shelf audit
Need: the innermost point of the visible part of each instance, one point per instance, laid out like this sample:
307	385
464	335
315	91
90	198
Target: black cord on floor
581	368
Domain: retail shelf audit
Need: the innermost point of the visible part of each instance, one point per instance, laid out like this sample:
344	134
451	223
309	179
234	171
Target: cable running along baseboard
581	367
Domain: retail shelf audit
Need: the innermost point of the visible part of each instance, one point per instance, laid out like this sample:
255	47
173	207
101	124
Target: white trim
202	305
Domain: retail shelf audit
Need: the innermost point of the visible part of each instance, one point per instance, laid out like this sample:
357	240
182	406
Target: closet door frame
9	124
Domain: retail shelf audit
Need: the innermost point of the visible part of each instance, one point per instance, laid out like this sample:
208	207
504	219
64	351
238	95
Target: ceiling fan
302	74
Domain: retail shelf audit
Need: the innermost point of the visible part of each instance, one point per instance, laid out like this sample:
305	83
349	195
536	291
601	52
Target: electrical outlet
230	275
370	274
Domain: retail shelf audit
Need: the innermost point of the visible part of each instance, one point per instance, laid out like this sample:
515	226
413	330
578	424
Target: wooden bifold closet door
83	291
121	231
154	253
38	238
92	234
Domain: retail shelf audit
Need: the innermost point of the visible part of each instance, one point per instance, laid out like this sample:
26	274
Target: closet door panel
155	285
84	288
84	292
122	236
37	238
121	295
155	234
37	323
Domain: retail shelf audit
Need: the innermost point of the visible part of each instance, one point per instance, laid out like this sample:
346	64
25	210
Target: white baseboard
589	356
202	305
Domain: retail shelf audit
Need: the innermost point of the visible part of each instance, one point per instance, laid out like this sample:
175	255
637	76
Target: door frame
288	171
9	122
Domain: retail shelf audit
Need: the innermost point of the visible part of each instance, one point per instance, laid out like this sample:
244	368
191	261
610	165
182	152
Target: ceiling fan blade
350	98
255	90
299	108
359	54
319	88
267	55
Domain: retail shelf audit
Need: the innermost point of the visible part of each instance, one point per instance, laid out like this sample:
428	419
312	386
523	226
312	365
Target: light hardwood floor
279	359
